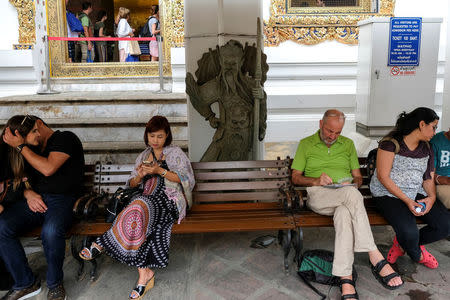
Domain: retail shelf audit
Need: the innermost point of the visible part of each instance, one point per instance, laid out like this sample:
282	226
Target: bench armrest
300	201
289	196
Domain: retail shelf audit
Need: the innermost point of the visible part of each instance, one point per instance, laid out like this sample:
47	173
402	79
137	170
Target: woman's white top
123	30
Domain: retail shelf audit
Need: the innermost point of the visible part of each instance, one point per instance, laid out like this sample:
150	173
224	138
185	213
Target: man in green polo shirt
323	160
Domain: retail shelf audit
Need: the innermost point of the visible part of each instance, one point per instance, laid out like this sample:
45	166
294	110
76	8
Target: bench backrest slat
120	179
241	185
252	164
241	175
234	197
117	168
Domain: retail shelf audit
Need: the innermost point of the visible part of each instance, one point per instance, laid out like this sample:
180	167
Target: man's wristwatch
20	147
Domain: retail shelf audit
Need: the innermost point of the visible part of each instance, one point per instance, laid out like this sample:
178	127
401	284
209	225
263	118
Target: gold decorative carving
313	25
58	49
175	25
25	14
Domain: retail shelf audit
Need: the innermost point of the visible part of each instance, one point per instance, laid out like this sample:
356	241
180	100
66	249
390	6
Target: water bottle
422	208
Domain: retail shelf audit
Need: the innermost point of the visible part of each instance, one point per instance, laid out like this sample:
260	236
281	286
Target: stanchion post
47	89
160	65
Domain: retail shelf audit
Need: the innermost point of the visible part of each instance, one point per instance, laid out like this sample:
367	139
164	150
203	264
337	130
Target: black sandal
384	280
92	252
349	296
141	289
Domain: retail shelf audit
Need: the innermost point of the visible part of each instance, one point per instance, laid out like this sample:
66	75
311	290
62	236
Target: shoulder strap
311	286
391	139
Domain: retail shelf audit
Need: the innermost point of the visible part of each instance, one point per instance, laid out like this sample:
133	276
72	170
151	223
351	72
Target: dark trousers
18	219
403	221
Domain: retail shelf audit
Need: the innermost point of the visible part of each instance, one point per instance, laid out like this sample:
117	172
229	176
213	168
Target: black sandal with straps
349	296
90	253
141	289
384	280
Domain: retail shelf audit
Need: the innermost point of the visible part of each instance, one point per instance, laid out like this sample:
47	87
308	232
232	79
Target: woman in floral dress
140	235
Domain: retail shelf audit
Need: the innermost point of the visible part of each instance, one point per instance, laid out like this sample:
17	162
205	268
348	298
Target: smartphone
148	162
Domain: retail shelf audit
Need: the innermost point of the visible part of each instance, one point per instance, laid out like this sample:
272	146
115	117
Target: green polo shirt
85	22
313	158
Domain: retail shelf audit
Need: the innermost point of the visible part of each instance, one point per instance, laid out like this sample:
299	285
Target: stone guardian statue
229	75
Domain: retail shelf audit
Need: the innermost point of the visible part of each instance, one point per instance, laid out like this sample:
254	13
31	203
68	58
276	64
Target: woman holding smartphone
403	187
140	235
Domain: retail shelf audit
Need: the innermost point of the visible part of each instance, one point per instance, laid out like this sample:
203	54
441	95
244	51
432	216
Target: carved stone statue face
231	57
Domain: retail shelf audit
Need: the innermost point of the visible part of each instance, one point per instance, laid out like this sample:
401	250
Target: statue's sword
258	76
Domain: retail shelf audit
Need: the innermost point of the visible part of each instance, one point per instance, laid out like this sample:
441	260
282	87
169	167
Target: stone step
124	147
96	97
119	152
102	122
109	124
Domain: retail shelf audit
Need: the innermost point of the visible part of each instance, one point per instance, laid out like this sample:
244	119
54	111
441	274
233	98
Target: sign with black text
404	41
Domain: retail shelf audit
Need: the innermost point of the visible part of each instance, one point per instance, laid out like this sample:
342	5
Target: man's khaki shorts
443	194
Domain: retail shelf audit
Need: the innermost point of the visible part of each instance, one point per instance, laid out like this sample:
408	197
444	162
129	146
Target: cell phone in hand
148	162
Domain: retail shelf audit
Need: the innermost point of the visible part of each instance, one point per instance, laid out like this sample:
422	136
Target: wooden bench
304	217
228	197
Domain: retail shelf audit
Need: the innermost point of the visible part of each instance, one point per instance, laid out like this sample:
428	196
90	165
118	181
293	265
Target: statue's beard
230	78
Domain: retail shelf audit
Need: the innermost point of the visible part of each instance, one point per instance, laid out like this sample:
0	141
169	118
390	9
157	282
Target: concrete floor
223	266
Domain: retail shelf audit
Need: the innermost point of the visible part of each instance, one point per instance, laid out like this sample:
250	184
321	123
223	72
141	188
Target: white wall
9	24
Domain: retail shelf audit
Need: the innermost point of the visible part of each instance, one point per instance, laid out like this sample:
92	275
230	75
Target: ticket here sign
404	41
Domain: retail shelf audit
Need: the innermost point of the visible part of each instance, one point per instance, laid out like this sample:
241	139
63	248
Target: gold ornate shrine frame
313	25
60	68
27	27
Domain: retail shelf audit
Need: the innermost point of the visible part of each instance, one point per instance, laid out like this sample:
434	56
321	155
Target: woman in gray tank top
403	187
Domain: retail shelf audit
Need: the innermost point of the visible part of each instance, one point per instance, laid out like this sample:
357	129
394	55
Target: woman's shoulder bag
119	200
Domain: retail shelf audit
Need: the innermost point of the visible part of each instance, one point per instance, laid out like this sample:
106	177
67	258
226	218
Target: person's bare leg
375	256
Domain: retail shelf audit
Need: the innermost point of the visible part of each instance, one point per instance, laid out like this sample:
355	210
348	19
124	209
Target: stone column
209	23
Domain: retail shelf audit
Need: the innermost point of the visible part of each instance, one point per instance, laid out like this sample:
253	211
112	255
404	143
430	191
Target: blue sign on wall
404	41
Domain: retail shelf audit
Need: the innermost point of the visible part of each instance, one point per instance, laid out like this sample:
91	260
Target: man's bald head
333	113
331	126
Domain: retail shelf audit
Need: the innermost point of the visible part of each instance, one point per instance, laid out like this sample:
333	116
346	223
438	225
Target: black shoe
57	293
25	293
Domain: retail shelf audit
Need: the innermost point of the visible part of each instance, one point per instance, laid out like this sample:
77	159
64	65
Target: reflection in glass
103	23
323	3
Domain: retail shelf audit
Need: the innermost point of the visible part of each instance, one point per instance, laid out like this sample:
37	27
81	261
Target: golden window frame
60	68
313	25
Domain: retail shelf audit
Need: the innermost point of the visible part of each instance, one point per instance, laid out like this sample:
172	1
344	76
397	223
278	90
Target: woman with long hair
140	234
13	179
124	30
403	187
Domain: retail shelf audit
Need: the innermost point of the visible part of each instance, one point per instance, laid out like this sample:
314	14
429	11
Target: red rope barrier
53	38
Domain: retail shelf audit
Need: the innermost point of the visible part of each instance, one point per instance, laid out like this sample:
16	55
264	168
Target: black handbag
119	200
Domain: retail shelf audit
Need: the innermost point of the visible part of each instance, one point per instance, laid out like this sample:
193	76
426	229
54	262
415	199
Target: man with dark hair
441	147
56	169
86	22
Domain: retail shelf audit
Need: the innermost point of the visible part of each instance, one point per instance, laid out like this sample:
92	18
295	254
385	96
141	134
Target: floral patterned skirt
140	235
